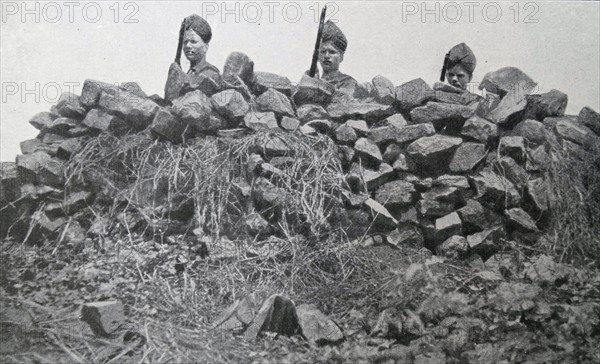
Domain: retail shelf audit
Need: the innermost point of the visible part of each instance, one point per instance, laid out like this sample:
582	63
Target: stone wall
461	174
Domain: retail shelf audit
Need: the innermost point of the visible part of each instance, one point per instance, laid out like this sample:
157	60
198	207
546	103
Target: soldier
459	65
195	35
331	54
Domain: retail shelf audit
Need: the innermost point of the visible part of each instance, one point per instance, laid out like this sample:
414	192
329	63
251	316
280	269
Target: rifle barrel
313	64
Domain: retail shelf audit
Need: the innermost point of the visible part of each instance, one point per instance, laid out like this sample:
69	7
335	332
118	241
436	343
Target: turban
462	55
331	33
200	26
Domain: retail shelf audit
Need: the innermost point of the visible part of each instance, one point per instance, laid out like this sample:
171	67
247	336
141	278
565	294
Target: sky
51	47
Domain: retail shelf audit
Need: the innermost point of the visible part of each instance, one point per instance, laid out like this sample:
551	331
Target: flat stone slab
467	156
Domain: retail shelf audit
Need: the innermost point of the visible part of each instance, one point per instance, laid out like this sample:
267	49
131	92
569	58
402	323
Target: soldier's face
330	57
194	47
457	76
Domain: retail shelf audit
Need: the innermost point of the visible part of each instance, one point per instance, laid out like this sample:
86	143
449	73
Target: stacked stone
459	173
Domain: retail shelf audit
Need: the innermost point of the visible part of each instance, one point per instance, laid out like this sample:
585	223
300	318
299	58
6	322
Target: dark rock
104	318
537	198
39	167
42	120
383	135
353	200
371	112
444	194
391	153
479	129
136	111
445	87
134	88
76	201
310	112
320	125
421	184
345	135
195	109
312	90
236	133
275	101
69	106
90	94
396	194
487	242
532	132
388	325
261	121
454	247
507	167
346	155
33	145
276	147
69	147
360	127
265	80
176	79
447	226
62	126
514	147
435	209
368	152
573	132
412	94
166	125
207	84
253	163
397	120
459	182
405	235
239	315
521	225
467	157
238	70
552	103
433	153
411	133
316	327
380	214
495	191
590	118
103	121
358	177
439	114
383	90
277	315
475	217
537	159
231	105
50	138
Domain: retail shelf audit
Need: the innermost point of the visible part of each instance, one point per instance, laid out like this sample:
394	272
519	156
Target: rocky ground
248	219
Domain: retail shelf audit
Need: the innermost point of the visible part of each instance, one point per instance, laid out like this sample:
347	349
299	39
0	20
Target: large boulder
552	103
412	94
261	121
69	106
135	110
310	112
383	90
495	191
231	105
274	101
368	152
451	116
573	132
514	147
532	131
467	156
396	194
312	90
433	153
195	109
411	133
360	179
590	118
166	125
265	80
316	327
479	129
105	122
371	112
42	120
39	167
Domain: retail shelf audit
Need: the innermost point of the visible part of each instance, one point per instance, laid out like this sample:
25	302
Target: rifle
180	43
444	68
313	64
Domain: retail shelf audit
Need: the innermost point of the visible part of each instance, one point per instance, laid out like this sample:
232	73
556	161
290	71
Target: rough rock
9	184
391	153
104	318
261	121
50	138
372	178
573	132
277	315
514	147
411	133
310	112
396	194
265	80
42	120
537	159
176	79
486	243
103	121
33	145
454	247
239	315
231	105
433	152
404	164
434	209
307	130
195	109
383	135
447	226
346	155
479	129
166	125
39	167
360	127
312	90
532	131
370	112
447	180
412	94
590	118
537	198
384	90
509	168
397	120
368	152
316	327
406	234
495	191
388	325
467	156
381	214
552	103
238	70
275	101
320	125
443	194
276	147
439	114
68	105
521	226
92	90
69	147
289	124
207	84
421	184
345	135
136	111
62	126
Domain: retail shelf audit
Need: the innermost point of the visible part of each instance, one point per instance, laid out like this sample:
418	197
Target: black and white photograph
300	182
